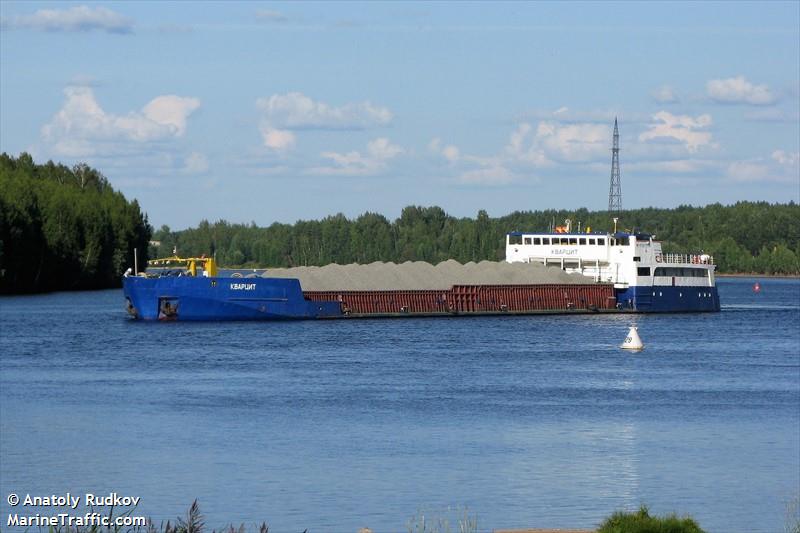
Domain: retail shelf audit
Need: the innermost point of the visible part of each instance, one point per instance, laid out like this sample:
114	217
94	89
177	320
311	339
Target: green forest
748	237
64	228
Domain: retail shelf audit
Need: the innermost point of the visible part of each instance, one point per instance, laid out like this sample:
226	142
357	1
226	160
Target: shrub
641	522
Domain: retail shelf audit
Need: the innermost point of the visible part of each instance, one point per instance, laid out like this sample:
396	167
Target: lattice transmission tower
615	191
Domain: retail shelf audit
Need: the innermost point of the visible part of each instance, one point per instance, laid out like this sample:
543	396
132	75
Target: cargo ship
559	271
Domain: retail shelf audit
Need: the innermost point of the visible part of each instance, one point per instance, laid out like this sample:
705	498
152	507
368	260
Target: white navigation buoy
632	341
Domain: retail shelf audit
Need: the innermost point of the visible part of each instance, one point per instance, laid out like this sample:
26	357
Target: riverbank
755	275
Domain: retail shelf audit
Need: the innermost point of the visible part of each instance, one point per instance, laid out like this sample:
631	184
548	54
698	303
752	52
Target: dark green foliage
641	522
745	237
63	228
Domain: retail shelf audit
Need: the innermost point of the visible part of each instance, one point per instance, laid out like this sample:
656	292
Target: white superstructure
624	259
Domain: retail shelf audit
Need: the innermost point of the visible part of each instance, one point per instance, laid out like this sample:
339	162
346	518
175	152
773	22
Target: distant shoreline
755	275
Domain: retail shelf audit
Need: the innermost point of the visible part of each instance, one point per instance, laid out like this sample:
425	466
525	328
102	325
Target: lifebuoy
658	258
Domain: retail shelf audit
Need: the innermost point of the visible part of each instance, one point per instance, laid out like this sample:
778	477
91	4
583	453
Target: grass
641	522
193	522
793	515
439	522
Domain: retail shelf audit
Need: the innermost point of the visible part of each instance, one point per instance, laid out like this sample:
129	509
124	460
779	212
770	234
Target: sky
265	112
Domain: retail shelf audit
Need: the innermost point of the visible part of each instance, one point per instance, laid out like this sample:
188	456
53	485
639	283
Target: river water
535	421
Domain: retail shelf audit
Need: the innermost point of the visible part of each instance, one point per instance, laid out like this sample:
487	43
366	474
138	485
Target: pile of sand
417	275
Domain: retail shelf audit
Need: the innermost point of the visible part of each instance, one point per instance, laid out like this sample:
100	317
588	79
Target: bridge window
681	272
601	242
622	242
564	240
537	240
515	239
546	240
527	240
592	242
637	258
643	271
582	241
573	241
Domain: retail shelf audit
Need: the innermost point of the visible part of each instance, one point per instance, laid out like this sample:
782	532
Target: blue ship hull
258	298
668	299
202	298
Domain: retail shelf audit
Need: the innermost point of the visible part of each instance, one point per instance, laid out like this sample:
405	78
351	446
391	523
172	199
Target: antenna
615	191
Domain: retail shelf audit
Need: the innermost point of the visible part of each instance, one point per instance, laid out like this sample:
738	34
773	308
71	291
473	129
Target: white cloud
550	142
81	126
449	152
171	110
297	111
545	146
786	158
568	142
78	18
379	152
665	95
382	149
278	140
517	138
682	128
747	171
195	163
780	167
739	91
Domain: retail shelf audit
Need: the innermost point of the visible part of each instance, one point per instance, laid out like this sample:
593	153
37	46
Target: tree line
64	228
747	237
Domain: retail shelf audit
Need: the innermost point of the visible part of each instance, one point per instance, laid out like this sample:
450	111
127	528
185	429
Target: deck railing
702	259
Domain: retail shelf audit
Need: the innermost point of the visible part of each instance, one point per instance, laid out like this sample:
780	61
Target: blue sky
283	111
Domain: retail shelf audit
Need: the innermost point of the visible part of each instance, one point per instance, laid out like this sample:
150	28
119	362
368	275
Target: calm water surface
331	426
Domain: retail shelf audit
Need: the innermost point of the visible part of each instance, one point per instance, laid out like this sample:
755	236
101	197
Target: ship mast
615	190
